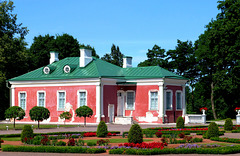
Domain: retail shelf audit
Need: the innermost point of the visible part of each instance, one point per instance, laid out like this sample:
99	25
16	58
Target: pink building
116	95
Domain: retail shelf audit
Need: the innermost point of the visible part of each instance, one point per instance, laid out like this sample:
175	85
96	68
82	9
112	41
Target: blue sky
134	25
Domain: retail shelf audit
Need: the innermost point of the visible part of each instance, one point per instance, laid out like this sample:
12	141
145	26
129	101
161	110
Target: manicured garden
150	141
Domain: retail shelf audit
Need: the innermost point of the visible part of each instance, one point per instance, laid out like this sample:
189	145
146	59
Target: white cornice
40	83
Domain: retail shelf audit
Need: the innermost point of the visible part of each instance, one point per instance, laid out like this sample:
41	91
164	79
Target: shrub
181	135
61	143
213	130
27	133
228	126
158	134
80	142
102	129
71	142
103	142
135	134
180	122
91	144
45	140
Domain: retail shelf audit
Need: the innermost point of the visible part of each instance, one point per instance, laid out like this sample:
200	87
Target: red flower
237	108
203	108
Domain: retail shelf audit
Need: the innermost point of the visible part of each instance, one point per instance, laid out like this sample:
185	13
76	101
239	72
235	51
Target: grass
41	126
12	139
114	140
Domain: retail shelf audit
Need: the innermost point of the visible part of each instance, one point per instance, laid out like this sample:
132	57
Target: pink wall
51	99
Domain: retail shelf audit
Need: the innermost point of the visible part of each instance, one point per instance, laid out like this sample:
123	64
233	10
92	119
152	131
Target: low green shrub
197	140
228	125
102	130
213	130
53	149
180	122
27	133
61	143
135	134
80	142
91	143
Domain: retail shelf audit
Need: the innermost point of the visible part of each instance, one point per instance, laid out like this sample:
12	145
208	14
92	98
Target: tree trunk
38	124
84	121
14	123
212	101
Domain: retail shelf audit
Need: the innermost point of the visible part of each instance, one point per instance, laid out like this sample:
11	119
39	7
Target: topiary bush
102	129
180	122
27	133
213	130
228	125
135	134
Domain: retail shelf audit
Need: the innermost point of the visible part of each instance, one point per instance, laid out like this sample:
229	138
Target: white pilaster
161	100
183	101
98	103
12	96
101	99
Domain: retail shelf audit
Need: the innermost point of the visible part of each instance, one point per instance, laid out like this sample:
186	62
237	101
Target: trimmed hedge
156	151
230	140
53	149
228	125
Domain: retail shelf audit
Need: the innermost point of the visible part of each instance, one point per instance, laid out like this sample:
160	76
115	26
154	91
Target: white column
98	103
12	96
101	103
183	101
161	101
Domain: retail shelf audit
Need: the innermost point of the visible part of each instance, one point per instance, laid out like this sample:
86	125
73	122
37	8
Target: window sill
61	110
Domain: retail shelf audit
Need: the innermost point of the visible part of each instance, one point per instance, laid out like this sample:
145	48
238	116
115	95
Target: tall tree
115	57
218	53
12	50
65	44
156	57
183	61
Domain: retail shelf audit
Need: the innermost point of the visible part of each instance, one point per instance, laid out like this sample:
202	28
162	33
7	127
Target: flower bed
144	145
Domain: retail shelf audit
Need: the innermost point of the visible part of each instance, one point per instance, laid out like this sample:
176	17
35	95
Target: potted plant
237	109
203	110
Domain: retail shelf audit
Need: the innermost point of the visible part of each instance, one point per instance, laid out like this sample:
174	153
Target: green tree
219	57
65	116
102	130
84	111
39	114
12	49
115	57
65	44
15	112
156	57
135	134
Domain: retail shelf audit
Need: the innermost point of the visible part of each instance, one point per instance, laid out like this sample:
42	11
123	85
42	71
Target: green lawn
12	139
124	140
20	126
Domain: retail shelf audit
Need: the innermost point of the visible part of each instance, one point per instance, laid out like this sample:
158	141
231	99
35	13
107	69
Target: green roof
97	68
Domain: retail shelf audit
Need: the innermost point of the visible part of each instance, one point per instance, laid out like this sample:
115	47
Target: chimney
53	56
127	61
85	57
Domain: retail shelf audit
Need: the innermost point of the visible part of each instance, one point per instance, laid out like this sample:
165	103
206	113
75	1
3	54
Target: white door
111	112
120	104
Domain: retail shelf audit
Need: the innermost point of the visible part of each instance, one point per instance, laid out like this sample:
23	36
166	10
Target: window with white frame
153	100
41	99
169	100
61	100
22	100
130	100
82	98
179	100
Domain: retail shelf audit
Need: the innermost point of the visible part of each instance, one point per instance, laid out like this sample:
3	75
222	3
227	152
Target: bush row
160	128
52	133
52	149
230	140
156	151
